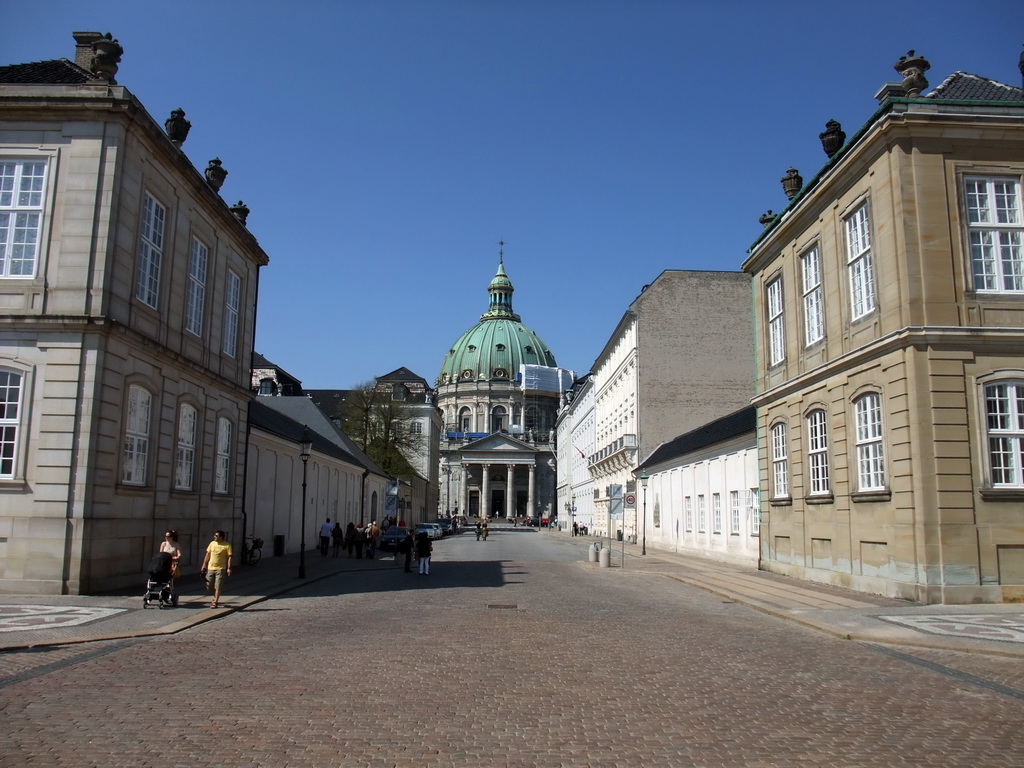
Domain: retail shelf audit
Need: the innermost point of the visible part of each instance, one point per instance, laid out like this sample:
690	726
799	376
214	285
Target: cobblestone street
511	653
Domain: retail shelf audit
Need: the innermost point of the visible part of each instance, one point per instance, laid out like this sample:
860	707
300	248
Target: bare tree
381	425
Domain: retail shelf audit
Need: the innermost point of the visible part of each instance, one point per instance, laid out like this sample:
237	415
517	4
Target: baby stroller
160	586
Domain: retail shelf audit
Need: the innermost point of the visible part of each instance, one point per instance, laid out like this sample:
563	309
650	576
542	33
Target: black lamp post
643	484
447	489
305	446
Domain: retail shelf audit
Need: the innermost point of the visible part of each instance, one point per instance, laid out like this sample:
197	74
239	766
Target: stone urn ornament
832	138
177	127
792	182
107	54
766	218
241	211
912	68
215	174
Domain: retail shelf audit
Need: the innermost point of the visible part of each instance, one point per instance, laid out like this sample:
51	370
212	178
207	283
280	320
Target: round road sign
630	499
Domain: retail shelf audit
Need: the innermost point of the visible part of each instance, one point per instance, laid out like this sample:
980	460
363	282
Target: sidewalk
996	629
28	621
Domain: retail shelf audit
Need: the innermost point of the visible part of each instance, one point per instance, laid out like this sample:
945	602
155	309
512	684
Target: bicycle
252	550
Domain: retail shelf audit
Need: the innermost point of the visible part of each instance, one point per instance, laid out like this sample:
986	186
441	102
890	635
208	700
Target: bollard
592	553
605	558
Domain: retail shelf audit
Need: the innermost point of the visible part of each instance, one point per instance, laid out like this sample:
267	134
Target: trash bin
278	546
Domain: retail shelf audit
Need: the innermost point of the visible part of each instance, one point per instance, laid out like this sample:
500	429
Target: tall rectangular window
859	263
185	460
702	514
780	462
870	454
995	231
222	473
754	510
232	306
1004	409
151	248
196	296
10	421
817	453
776	327
716	512
688	510
136	436
734	508
814	320
21	214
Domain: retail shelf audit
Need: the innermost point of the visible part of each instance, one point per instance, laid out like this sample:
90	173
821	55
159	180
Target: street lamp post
573	521
643	484
305	447
447	489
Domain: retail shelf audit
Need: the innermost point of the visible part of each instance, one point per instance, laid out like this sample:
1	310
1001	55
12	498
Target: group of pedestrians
216	562
353	539
421	547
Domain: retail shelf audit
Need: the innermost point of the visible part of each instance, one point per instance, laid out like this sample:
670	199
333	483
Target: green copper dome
495	347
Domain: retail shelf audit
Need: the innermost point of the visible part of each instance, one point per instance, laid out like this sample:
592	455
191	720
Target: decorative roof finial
912	67
501	251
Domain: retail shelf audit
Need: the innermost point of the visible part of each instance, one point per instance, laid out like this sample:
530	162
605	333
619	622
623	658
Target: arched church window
499	422
464	419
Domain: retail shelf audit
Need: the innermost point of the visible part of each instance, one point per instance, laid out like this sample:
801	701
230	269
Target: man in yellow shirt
216	564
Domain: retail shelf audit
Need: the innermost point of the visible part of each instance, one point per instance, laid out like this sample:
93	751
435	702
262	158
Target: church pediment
497	442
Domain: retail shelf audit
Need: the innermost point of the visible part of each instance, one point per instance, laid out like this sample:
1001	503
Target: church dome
494	348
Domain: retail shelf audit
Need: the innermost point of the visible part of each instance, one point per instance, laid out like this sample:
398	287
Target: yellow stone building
889	300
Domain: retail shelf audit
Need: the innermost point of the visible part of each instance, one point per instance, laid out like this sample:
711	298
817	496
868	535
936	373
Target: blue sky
385	146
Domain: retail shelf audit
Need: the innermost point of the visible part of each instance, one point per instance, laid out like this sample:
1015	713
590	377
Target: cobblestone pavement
513	654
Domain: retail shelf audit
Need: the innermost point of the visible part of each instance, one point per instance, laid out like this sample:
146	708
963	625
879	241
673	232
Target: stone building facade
127	303
890	307
681	356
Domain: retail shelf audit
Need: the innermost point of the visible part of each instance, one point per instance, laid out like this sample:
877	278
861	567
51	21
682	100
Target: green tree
382	426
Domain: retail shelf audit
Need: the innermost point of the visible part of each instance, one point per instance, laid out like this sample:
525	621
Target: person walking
423	549
170	546
360	542
216	565
479	530
338	537
372	539
483	530
325	537
405	546
350	538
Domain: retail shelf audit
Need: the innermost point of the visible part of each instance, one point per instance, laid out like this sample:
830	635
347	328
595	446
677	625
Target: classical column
530	498
510	492
464	490
485	492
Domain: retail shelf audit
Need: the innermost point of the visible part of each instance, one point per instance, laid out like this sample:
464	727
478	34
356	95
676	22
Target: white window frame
415	428
869	442
716	513
688	509
12	387
22	195
151	249
814	319
754	511
195	303
819	482
735	508
1004	432
776	322
138	423
780	461
995	233
232	308
185	458
702	513
860	263
222	468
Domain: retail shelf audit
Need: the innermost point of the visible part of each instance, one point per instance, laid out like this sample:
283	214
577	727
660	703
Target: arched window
465	420
499	422
185	458
817	453
870	452
1004	407
135	457
222	473
780	462
10	420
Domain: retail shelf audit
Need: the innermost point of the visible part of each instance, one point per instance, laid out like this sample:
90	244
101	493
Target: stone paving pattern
516	657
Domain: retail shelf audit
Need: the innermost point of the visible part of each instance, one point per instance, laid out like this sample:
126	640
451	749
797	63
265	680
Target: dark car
534	522
447	528
392	536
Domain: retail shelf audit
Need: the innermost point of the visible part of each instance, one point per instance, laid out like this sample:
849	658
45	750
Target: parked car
392	536
534	521
447	527
433	530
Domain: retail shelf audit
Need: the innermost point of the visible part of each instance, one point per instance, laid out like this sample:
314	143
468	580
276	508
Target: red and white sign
630	499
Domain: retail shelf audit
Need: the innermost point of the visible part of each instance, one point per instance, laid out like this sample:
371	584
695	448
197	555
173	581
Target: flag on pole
582	454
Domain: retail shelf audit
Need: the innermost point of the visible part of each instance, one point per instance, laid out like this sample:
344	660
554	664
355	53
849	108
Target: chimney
83	48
